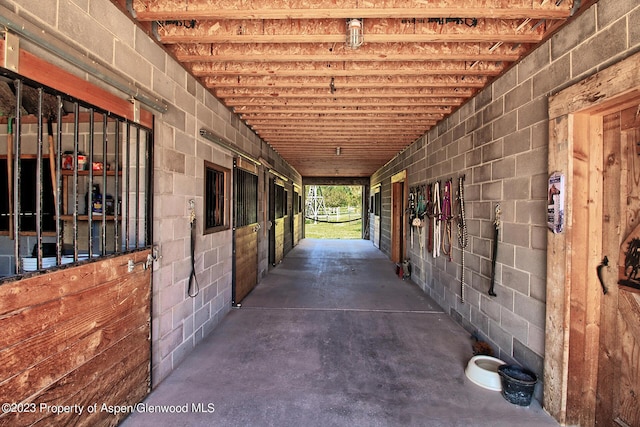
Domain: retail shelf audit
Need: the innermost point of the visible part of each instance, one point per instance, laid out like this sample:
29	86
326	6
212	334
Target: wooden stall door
618	386
246	226
397	222
76	336
246	261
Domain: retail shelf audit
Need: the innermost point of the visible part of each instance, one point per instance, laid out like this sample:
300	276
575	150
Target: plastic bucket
517	384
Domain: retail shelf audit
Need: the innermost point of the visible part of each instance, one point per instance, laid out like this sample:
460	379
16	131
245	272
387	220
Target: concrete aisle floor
332	337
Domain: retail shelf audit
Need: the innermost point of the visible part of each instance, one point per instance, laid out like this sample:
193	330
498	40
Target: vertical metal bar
58	184
234	224
117	193
76	138
148	167
105	141
90	195
127	171
137	207
17	174
39	183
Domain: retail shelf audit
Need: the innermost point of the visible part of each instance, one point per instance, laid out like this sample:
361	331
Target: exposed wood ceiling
284	67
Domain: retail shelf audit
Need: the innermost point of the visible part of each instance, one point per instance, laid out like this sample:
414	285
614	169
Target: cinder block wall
102	31
499	141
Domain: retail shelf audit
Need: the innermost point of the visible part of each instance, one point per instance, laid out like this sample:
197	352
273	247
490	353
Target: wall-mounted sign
555	202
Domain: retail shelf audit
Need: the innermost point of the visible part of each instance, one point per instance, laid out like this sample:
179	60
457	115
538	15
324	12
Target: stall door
397	222
280	201
246	226
618	386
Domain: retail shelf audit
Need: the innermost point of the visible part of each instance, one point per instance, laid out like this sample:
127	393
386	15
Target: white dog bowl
483	371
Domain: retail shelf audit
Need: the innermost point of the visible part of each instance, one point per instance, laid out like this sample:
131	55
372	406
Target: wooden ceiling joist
334	68
388	82
343	111
341	93
355	124
154	10
340	133
327	52
333	31
340	103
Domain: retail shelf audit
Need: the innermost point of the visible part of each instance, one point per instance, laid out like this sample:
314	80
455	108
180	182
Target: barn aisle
332	337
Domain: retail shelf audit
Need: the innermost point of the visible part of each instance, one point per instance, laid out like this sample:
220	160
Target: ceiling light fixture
354	33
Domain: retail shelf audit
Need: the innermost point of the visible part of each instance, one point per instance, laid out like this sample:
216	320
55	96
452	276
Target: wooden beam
334	68
327	52
355	126
352	82
399	111
328	101
342	92
334	30
295	139
151	10
311	134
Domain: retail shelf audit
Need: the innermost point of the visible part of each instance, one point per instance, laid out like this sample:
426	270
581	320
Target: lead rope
437	216
192	290
446	218
422	212
429	215
463	235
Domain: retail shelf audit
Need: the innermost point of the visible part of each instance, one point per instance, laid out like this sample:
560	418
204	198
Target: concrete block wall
101	31
499	140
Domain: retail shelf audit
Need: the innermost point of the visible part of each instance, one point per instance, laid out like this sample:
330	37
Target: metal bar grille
96	201
246	198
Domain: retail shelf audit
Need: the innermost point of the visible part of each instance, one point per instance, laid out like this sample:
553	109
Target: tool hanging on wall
494	254
463	235
10	174
194	287
52	159
421	212
411	211
429	212
437	218
446	219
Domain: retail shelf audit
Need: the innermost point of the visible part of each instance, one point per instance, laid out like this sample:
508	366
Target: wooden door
245	244
618	379
397	222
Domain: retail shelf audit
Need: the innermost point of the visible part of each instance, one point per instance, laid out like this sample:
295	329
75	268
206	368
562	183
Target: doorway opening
333	211
592	322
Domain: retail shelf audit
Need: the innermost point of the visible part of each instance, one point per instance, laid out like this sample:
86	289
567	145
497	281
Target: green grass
323	230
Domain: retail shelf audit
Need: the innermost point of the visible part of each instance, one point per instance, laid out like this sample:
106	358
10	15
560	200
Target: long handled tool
494	255
52	160
10	174
8	110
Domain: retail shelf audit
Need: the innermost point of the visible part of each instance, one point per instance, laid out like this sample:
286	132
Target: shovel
496	231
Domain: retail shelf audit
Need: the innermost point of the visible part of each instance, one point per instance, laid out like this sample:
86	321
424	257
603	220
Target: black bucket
517	384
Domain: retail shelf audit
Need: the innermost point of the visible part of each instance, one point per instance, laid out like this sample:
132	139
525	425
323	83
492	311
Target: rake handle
10	175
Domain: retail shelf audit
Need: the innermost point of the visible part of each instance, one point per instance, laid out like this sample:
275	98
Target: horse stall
75	256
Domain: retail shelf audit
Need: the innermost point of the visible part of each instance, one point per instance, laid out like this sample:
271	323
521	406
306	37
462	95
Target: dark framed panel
216	198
